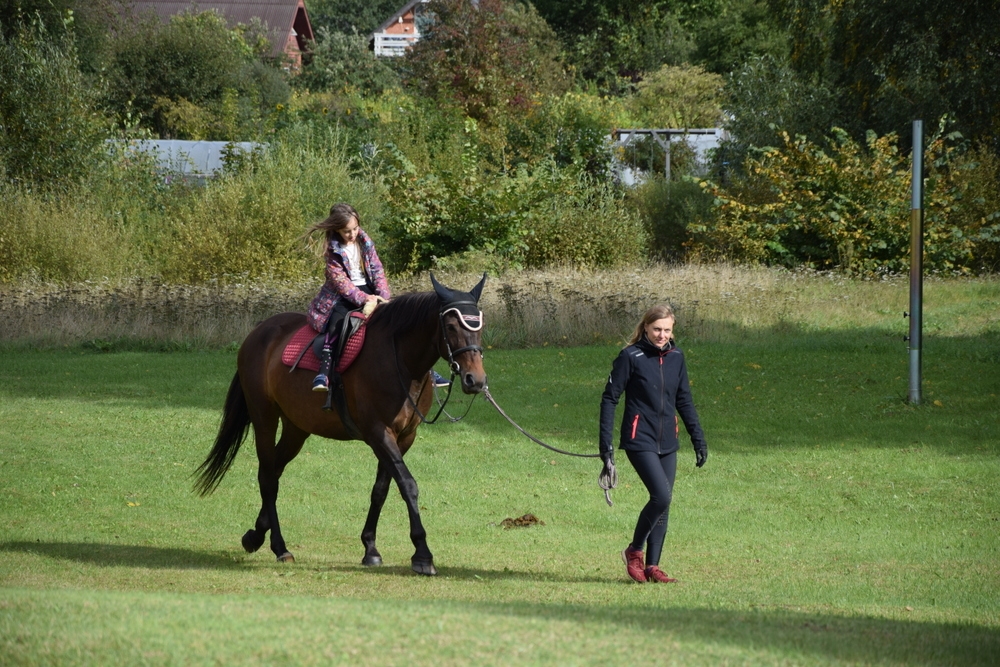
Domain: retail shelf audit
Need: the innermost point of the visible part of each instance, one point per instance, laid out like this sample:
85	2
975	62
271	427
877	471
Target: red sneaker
634	564
654	573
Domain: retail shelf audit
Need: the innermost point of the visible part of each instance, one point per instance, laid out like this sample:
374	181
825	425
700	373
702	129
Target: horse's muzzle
473	382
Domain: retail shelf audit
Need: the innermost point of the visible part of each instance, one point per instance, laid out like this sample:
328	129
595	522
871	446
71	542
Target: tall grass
561	307
125	221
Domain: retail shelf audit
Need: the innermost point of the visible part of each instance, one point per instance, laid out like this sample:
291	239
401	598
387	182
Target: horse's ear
443	292
477	291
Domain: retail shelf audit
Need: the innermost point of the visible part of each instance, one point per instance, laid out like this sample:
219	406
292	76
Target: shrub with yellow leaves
847	206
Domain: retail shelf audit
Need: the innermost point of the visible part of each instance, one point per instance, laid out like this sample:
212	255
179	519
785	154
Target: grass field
833	523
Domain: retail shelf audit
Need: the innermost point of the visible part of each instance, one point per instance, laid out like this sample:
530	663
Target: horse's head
462	334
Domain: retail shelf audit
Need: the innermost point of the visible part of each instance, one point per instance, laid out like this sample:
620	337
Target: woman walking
652	373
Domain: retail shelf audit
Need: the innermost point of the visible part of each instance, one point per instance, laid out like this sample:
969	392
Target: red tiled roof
281	16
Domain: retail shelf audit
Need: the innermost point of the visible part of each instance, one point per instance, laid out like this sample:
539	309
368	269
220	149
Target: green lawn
832	524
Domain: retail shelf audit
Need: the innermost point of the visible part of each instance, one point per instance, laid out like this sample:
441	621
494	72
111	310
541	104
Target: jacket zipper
635	425
663	398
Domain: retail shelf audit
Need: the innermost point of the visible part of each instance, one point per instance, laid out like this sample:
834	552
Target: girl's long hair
657	312
340	216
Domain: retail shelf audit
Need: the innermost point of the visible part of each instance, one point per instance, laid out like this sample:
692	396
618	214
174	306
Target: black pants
340	311
657	473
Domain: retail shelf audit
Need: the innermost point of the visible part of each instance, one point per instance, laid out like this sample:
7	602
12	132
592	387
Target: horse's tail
232	432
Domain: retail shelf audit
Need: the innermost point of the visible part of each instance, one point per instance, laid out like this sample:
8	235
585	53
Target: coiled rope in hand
607	480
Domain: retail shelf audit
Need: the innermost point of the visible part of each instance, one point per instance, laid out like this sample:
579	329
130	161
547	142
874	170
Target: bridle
467	323
470	322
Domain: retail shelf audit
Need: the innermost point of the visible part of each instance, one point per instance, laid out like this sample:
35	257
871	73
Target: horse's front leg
390	456
379	492
422	561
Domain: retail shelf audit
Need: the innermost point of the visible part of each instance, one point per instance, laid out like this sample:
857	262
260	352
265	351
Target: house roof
400	12
281	16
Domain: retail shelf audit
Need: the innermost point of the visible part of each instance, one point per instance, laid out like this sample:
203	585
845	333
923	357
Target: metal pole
666	167
916	263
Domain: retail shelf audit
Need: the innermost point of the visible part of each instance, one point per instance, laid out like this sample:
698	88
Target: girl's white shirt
353	252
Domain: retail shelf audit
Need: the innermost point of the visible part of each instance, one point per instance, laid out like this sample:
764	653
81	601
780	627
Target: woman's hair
340	216
657	312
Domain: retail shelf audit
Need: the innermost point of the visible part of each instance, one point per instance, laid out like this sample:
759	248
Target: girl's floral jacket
338	284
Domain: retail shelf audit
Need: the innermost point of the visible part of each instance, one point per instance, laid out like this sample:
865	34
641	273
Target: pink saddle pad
299	342
303	337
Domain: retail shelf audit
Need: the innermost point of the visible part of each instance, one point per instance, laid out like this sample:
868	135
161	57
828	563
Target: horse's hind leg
254	538
272	459
379	492
288	447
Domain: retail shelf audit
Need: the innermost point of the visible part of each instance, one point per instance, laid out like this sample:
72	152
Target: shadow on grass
113	555
793	635
757	632
784	630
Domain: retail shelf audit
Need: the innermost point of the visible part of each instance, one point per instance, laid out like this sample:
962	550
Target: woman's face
349	234
659	332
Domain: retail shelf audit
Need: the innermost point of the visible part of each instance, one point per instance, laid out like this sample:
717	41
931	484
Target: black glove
608	456
700	454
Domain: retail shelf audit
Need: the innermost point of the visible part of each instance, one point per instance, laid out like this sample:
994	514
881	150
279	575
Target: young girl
354	276
652	373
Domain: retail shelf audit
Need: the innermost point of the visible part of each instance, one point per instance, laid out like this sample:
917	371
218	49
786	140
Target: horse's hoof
371	561
249	541
286	557
425	567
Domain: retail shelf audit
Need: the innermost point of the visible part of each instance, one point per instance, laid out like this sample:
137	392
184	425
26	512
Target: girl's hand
371	303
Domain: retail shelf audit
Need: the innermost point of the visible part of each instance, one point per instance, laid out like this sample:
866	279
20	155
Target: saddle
303	350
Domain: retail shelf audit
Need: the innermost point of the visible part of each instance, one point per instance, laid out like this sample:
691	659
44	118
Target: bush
668	209
61	239
847	207
248	225
585	224
528	217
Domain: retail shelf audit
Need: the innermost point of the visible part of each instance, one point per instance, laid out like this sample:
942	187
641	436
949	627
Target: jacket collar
645	345
338	247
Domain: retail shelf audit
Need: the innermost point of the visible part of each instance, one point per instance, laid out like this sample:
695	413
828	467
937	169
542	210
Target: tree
490	58
349	16
86	22
51	129
897	60
193	77
612	43
338	60
765	96
685	96
736	32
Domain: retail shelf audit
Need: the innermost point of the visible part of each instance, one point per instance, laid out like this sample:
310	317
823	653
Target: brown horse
388	391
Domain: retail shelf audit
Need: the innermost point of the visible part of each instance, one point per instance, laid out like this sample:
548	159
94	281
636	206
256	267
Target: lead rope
607	480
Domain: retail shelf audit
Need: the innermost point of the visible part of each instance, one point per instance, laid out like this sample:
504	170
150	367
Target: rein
607	480
493	402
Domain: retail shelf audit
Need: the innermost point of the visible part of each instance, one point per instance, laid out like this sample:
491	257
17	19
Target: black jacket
656	389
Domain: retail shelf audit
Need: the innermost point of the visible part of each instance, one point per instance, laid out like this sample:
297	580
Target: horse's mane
405	311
